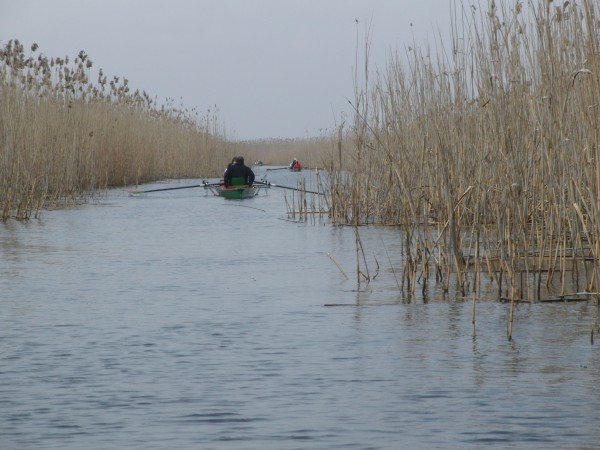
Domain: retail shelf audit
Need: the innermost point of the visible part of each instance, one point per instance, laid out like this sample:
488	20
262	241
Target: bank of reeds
64	136
486	149
312	152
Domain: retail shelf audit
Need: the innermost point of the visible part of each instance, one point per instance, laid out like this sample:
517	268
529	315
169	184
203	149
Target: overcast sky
273	68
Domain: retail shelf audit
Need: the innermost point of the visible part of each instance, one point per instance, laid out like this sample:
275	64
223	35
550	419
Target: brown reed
486	150
312	152
305	206
64	137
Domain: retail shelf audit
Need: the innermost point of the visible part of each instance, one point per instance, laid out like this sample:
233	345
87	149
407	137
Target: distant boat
295	166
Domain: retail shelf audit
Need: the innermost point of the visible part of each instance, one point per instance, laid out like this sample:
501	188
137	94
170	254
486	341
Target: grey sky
273	68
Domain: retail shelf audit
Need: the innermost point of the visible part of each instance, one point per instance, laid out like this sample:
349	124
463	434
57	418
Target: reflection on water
181	320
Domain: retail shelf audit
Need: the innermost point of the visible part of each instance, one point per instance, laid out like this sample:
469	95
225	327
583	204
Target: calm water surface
182	320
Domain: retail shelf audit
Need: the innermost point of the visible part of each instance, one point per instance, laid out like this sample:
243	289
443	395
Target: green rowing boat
237	192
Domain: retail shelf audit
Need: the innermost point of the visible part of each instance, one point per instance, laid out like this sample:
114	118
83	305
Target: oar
135	191
268	183
280	168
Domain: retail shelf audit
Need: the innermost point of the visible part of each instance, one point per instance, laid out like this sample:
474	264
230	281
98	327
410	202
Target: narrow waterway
182	320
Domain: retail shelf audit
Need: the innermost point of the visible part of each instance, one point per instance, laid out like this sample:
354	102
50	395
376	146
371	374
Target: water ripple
136	328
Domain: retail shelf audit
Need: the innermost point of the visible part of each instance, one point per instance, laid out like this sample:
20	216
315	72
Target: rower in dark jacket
238	169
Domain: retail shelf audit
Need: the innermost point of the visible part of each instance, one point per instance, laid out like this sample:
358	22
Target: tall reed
64	136
487	150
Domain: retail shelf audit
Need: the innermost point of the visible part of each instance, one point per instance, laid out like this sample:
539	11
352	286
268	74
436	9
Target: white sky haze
273	68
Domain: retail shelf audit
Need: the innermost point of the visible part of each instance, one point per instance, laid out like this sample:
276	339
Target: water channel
178	319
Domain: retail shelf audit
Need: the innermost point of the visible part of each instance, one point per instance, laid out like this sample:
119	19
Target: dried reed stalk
509	109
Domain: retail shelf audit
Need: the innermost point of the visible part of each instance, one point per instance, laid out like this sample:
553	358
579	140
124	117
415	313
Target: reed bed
486	151
310	151
64	137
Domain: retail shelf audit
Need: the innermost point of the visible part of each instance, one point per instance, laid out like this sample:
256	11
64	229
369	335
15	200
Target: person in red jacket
295	165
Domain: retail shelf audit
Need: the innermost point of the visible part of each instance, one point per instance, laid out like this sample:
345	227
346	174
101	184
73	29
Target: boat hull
237	193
